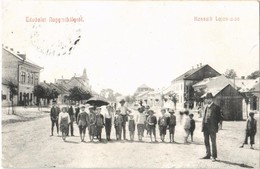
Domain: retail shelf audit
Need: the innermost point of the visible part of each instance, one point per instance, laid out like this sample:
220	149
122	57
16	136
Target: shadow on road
73	142
236	164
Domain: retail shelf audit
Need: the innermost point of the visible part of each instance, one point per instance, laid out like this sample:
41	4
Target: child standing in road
131	127
99	123
118	124
64	120
186	126
192	126
172	124
251	128
151	121
162	122
140	120
83	120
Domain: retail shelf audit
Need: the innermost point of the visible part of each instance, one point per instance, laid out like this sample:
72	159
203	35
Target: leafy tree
254	75
78	94
39	92
13	92
230	73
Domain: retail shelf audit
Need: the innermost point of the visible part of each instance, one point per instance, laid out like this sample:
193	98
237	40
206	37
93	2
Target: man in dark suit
55	110
210	120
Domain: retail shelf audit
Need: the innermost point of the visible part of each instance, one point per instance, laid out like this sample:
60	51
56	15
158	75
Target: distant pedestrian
83	122
99	123
71	113
124	111
210	120
192	126
251	129
64	120
54	113
151	122
163	122
118	120
172	124
131	127
186	126
108	121
140	121
92	123
77	109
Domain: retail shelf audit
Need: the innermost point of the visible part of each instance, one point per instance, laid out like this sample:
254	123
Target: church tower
84	76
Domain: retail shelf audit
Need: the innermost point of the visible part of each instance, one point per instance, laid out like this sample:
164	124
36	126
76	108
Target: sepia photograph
130	84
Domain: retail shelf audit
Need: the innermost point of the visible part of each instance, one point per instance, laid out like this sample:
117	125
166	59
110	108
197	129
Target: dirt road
28	144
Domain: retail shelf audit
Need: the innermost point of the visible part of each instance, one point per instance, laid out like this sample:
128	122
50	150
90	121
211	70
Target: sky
124	44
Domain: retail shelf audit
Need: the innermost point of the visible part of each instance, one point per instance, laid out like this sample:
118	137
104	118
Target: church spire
84	76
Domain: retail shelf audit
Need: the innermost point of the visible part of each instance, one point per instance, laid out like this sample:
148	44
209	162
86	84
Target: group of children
94	121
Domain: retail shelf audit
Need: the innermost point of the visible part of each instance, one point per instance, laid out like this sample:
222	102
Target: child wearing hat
152	121
163	122
99	123
131	127
140	120
82	121
118	120
251	128
192	126
92	123
172	124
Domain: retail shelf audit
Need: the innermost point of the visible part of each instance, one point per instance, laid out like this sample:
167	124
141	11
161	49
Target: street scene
152	84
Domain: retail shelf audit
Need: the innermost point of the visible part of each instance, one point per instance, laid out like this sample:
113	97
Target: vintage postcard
130	84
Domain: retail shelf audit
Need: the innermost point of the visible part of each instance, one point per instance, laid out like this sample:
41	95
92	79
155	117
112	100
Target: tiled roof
188	73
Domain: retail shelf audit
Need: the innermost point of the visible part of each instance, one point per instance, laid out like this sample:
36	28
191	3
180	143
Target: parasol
97	101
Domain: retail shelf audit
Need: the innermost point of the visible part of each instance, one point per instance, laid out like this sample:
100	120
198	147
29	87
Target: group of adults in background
93	121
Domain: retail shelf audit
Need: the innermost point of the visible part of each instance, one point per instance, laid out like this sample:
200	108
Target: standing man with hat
124	112
55	110
210	120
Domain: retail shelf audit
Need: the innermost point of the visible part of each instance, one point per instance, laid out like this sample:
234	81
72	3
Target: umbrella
97	101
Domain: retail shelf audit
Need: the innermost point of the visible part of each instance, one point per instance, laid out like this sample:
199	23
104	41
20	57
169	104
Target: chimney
18	52
62	76
11	49
242	77
192	67
74	74
6	47
200	64
55	80
44	81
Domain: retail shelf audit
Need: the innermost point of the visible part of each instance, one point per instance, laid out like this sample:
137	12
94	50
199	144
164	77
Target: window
23	77
36	80
32	79
29	78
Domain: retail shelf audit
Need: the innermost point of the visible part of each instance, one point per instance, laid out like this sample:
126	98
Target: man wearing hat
251	128
82	121
124	112
77	109
210	120
54	114
151	122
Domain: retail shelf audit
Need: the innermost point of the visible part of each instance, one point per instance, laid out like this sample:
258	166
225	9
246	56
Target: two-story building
182	85
23	73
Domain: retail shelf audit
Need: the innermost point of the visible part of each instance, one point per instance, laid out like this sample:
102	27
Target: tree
230	74
130	99
254	75
78	94
198	94
108	94
13	91
39	92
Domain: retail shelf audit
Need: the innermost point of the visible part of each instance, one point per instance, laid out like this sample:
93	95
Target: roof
142	94
215	91
27	61
245	85
79	79
214	82
190	72
144	86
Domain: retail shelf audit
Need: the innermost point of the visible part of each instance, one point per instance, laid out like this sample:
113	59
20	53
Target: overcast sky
125	44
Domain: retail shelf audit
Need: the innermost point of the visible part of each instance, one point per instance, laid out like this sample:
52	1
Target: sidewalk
22	114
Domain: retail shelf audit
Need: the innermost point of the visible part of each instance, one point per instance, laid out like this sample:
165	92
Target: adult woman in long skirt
108	121
64	120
